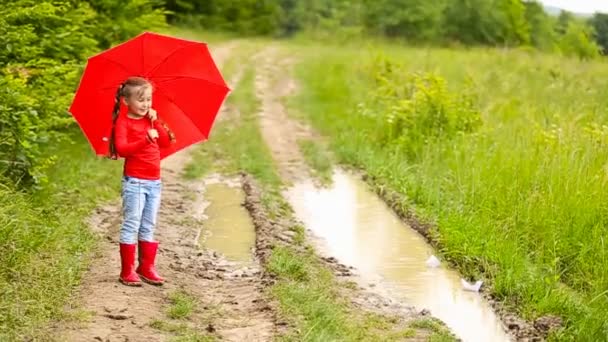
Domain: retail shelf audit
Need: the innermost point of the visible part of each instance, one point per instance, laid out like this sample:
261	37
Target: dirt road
229	301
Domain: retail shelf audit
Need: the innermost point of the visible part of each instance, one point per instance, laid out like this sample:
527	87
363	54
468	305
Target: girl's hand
152	134
152	114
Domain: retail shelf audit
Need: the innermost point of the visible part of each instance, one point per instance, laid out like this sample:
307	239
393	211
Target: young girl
138	136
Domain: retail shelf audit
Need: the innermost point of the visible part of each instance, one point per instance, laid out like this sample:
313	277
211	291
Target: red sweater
142	155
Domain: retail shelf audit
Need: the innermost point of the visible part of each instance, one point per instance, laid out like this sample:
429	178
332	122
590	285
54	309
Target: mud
280	132
229	227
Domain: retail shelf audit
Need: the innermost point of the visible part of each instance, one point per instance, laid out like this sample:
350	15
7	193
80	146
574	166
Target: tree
563	21
514	25
119	20
414	19
248	17
578	41
490	22
542	33
468	21
600	25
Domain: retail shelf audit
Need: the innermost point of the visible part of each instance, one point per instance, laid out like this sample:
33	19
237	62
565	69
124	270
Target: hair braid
116	110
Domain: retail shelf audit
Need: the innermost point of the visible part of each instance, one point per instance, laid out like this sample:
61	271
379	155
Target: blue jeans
140	204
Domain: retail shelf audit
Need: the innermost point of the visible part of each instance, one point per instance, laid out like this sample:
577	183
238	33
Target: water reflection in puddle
357	228
228	227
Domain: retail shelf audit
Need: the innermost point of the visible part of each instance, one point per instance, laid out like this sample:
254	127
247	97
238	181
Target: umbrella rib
180	108
143	55
165	59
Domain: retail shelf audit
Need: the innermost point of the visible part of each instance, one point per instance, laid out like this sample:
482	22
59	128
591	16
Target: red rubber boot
146	268
127	261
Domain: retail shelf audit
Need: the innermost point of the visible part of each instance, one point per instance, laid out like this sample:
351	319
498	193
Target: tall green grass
522	200
44	242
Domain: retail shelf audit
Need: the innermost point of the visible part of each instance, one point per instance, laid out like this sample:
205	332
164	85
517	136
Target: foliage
487	22
600	25
469	22
542	33
413	19
242	16
43	240
412	109
117	20
46	44
578	41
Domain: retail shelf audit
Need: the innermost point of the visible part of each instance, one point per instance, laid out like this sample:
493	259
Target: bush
47	43
413	109
117	20
578	41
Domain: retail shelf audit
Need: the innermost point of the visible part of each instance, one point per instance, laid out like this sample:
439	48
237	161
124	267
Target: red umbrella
188	88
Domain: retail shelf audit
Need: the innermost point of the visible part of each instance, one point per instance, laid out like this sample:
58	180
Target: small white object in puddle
471	287
432	262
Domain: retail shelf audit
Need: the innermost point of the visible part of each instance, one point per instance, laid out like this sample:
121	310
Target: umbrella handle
151	120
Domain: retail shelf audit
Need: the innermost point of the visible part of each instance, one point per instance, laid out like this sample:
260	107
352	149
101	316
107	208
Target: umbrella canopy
188	88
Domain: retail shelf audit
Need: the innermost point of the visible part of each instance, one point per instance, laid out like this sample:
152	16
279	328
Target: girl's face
139	100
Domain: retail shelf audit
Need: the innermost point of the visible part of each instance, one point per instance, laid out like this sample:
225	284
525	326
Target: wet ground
230	229
360	230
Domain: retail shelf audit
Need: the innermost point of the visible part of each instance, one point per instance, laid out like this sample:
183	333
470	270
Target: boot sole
151	282
129	283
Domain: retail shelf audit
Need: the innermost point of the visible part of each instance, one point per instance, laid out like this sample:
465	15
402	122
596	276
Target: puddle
360	230
228	226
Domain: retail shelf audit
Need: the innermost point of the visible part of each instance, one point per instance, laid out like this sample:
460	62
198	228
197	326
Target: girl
138	136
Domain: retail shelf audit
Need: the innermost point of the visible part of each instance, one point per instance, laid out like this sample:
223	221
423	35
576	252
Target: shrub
413	109
47	43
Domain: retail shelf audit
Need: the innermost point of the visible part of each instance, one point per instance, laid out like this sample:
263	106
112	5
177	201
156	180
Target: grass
318	160
310	298
182	305
45	244
181	320
437	331
522	201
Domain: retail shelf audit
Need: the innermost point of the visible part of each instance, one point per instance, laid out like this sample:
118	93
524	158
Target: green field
517	196
500	147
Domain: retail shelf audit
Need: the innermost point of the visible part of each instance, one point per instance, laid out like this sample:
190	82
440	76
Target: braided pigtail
115	112
169	131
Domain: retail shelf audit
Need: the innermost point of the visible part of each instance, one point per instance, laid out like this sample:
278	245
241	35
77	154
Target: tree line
467	22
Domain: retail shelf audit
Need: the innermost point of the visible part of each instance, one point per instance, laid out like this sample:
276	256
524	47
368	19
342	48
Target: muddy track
279	131
230	303
281	134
